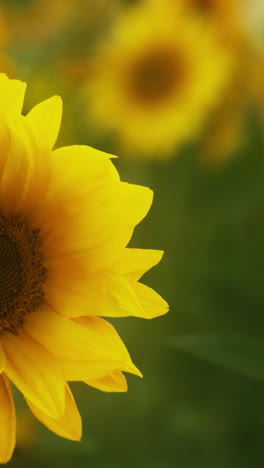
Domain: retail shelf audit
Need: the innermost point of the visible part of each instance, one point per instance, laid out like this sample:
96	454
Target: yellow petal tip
132	369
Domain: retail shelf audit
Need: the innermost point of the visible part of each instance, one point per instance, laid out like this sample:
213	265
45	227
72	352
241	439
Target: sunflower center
156	76
22	273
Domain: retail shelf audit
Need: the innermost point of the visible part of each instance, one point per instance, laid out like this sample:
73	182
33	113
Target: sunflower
227	130
156	78
240	26
256	83
65	221
225	14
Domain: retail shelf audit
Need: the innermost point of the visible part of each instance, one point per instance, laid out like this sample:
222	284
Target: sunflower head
153	77
166	69
65	221
218	11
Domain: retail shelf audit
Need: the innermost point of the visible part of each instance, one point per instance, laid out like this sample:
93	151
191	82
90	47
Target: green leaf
237	353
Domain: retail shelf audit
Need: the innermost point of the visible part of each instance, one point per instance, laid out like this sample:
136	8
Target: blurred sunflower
239	25
225	14
65	221
227	130
256	84
156	78
253	20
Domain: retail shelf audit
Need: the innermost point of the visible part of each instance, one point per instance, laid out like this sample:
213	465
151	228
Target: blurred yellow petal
7	420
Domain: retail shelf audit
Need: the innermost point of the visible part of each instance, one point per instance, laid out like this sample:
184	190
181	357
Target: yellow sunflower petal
92	351
137	202
12	93
109	295
7	420
84	164
152	303
45	119
2	358
16	164
35	372
101	326
69	425
115	382
135	262
23	176
90	206
75	371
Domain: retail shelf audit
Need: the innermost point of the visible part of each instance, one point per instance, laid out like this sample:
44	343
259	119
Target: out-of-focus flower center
204	6
22	273
155	76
